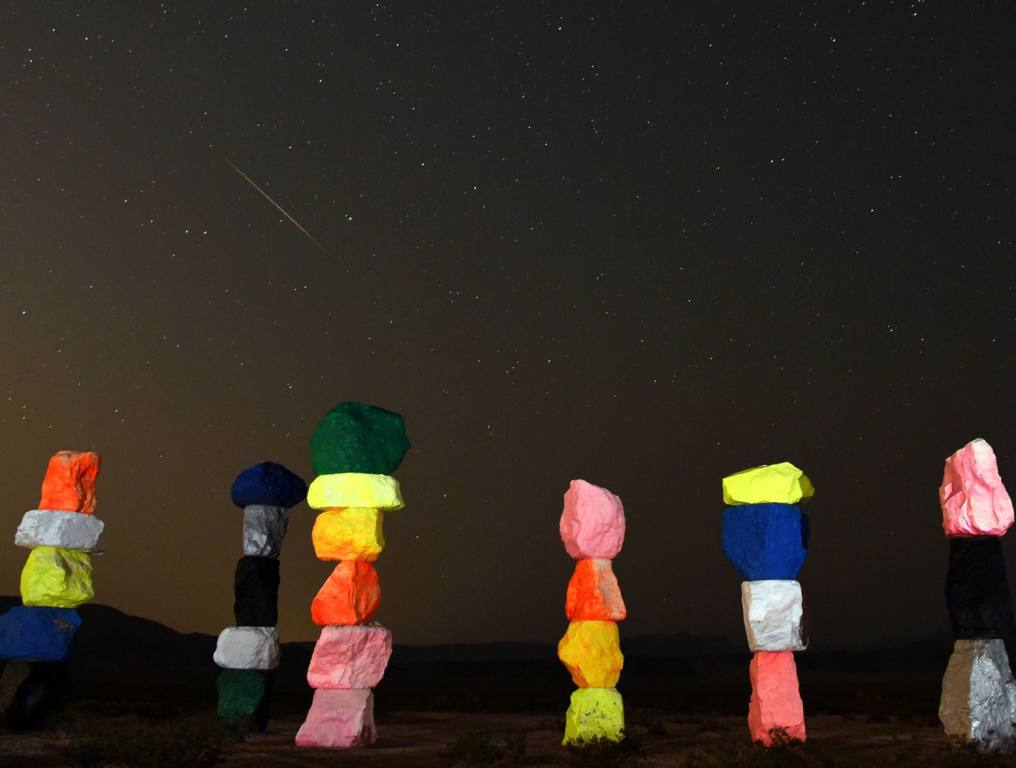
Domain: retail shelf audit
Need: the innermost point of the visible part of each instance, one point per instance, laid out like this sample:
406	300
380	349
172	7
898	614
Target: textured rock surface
57	578
269	484
350	657
592	523
353	489
772	615
264	528
979	695
256	592
244	698
339	718
247	648
594	715
977	590
349	534
974	501
66	530
765	541
14	674
591	650
356	437
593	593
781	483
351	595
40	695
37	634
775	712
69	484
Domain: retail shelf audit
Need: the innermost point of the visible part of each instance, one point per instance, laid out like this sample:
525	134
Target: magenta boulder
339	717
592	524
974	501
350	656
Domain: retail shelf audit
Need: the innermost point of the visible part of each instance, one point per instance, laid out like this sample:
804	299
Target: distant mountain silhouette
116	655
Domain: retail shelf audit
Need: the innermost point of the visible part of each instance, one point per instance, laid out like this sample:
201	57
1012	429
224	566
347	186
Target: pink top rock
592	524
974	501
350	657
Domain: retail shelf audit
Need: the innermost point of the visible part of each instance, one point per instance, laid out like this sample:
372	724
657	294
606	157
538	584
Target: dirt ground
432	739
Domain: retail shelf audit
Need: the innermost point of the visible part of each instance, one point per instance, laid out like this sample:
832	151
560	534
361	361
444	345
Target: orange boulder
350	596
593	593
69	485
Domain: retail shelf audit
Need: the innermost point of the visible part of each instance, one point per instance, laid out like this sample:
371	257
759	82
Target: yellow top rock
354	489
592	652
349	534
57	578
781	483
595	714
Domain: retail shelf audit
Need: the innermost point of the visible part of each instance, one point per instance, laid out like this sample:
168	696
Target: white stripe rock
66	530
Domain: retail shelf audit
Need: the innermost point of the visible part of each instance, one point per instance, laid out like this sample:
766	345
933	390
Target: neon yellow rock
595	714
592	652
57	578
354	489
349	534
781	483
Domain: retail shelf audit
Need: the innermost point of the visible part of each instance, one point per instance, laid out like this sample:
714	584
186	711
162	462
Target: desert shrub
134	742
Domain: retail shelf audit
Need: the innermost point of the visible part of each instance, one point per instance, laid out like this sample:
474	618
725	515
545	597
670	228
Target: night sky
643	243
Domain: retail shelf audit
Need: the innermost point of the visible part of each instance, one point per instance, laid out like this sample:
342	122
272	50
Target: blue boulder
765	541
29	633
268	483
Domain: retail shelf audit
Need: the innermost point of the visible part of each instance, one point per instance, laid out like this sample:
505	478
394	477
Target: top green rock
356	437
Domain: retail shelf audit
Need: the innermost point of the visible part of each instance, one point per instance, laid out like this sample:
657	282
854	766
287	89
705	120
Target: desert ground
416	739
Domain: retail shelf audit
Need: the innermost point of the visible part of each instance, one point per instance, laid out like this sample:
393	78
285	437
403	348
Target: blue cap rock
270	484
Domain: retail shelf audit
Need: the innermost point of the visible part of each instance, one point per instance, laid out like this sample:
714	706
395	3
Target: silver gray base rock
978	703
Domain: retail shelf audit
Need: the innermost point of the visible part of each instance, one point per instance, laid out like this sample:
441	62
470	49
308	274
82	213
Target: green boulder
244	699
356	437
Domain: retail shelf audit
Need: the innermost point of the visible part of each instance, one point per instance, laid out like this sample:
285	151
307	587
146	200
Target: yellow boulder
57	578
349	534
592	652
781	483
354	489
595	714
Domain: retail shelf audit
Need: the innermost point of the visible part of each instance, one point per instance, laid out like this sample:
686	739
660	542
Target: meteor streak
278	207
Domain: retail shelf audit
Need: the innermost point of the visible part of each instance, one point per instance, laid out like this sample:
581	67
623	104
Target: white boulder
772	615
247	648
264	528
65	530
978	703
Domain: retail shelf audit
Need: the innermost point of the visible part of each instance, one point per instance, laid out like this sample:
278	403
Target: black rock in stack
977	589
256	590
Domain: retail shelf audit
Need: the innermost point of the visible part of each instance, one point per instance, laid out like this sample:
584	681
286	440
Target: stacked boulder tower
354	451
249	650
35	636
765	536
592	528
978	704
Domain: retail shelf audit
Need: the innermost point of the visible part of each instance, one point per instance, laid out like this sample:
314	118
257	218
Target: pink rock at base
974	501
338	718
592	523
350	657
776	712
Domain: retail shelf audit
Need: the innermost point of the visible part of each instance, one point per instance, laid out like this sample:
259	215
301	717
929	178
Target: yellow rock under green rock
592	652
353	533
781	483
595	714
354	489
57	578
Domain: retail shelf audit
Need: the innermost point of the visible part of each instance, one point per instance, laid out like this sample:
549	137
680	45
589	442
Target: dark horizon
644	245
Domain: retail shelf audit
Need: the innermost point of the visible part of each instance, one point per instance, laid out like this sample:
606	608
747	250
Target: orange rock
593	593
69	485
350	596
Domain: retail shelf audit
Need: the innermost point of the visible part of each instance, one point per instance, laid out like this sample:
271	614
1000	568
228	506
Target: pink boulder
350	657
592	524
775	713
339	717
974	501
